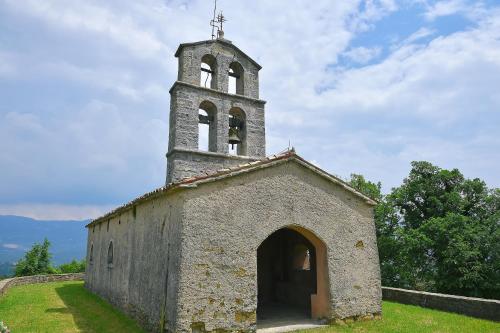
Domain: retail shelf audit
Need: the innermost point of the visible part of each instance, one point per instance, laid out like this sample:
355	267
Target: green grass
408	318
65	307
61	307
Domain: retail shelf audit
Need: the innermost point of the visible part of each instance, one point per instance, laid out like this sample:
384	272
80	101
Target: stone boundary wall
469	306
18	281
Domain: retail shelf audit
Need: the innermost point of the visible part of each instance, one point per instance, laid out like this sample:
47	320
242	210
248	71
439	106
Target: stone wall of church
226	221
142	278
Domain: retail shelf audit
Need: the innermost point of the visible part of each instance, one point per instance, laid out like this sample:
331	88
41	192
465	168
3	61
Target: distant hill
17	234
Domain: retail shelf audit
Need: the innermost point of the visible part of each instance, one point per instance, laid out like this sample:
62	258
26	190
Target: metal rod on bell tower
212	23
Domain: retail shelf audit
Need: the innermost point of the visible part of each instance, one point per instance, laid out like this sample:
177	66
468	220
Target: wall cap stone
471	306
32	279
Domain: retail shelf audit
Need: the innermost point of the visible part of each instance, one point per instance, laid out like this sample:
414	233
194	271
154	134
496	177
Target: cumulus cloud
85	124
363	55
54	212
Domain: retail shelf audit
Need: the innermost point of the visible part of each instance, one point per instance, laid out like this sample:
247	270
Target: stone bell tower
217	87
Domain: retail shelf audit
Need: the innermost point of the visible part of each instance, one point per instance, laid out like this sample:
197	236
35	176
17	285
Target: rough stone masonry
234	239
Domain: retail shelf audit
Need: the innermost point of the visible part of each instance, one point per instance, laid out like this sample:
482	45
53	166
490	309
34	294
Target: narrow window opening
91	256
232	82
207	135
208	72
235	82
237	132
107	227
301	258
203	130
110	254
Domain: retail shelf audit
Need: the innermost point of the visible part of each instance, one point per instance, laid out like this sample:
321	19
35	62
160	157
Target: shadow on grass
91	313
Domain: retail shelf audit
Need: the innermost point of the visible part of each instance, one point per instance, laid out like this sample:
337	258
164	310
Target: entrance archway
292	278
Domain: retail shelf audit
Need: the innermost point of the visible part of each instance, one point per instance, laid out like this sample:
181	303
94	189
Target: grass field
66	307
60	307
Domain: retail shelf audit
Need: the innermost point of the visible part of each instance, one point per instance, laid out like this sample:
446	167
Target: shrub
73	267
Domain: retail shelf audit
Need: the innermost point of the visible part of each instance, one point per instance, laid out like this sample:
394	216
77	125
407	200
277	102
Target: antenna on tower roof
216	23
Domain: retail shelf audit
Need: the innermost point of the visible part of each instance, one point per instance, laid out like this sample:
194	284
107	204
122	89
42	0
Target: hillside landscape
18	234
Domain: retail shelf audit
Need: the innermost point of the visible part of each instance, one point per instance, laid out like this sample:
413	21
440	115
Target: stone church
234	239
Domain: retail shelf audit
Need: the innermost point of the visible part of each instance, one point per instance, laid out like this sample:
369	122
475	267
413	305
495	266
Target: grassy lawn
61	307
65	307
409	318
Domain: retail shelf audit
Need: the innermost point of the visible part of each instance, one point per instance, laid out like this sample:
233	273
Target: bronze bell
234	137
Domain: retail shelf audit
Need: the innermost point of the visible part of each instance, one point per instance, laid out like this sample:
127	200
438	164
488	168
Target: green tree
35	261
72	267
366	187
440	232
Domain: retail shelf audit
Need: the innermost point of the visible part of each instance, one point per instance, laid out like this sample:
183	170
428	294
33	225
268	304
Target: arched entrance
292	278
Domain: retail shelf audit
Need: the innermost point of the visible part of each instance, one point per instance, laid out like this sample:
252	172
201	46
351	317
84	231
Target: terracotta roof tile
207	176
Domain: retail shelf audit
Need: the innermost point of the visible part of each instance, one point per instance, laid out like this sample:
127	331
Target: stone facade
230	239
187	96
185	256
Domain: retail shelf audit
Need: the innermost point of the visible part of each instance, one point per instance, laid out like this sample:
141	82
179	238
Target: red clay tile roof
229	172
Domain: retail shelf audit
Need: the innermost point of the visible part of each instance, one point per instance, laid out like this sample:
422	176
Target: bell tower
216	116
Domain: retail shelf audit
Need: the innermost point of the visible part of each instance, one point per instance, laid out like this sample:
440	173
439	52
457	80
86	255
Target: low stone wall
18	281
474	307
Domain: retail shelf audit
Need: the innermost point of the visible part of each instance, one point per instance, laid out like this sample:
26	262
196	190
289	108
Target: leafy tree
73	267
440	232
366	187
35	261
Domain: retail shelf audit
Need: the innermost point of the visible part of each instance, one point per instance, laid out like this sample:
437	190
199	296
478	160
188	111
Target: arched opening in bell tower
292	277
237	132
208	75
235	82
207	127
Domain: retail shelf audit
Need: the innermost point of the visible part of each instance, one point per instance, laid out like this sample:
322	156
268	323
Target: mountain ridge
68	239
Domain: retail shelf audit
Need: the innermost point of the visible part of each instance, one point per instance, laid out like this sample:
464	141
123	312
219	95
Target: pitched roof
222	41
207	177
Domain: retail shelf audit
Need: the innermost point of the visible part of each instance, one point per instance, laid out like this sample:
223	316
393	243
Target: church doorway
292	279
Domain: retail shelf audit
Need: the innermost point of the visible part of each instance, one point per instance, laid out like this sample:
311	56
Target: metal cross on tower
216	23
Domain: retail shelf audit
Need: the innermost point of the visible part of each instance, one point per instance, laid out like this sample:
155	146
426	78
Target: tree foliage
438	232
38	261
74	266
35	261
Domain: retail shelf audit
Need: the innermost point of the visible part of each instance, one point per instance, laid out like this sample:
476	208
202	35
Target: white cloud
470	9
96	19
445	8
53	212
363	55
11	246
99	136
417	35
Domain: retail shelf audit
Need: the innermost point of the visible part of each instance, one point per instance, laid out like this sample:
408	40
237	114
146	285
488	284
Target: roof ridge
215	175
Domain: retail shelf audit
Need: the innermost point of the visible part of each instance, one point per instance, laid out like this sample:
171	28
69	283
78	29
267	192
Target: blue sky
356	86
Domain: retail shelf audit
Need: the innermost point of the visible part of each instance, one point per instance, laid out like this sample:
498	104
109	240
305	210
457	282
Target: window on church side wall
110	254
208	72
235	81
91	256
